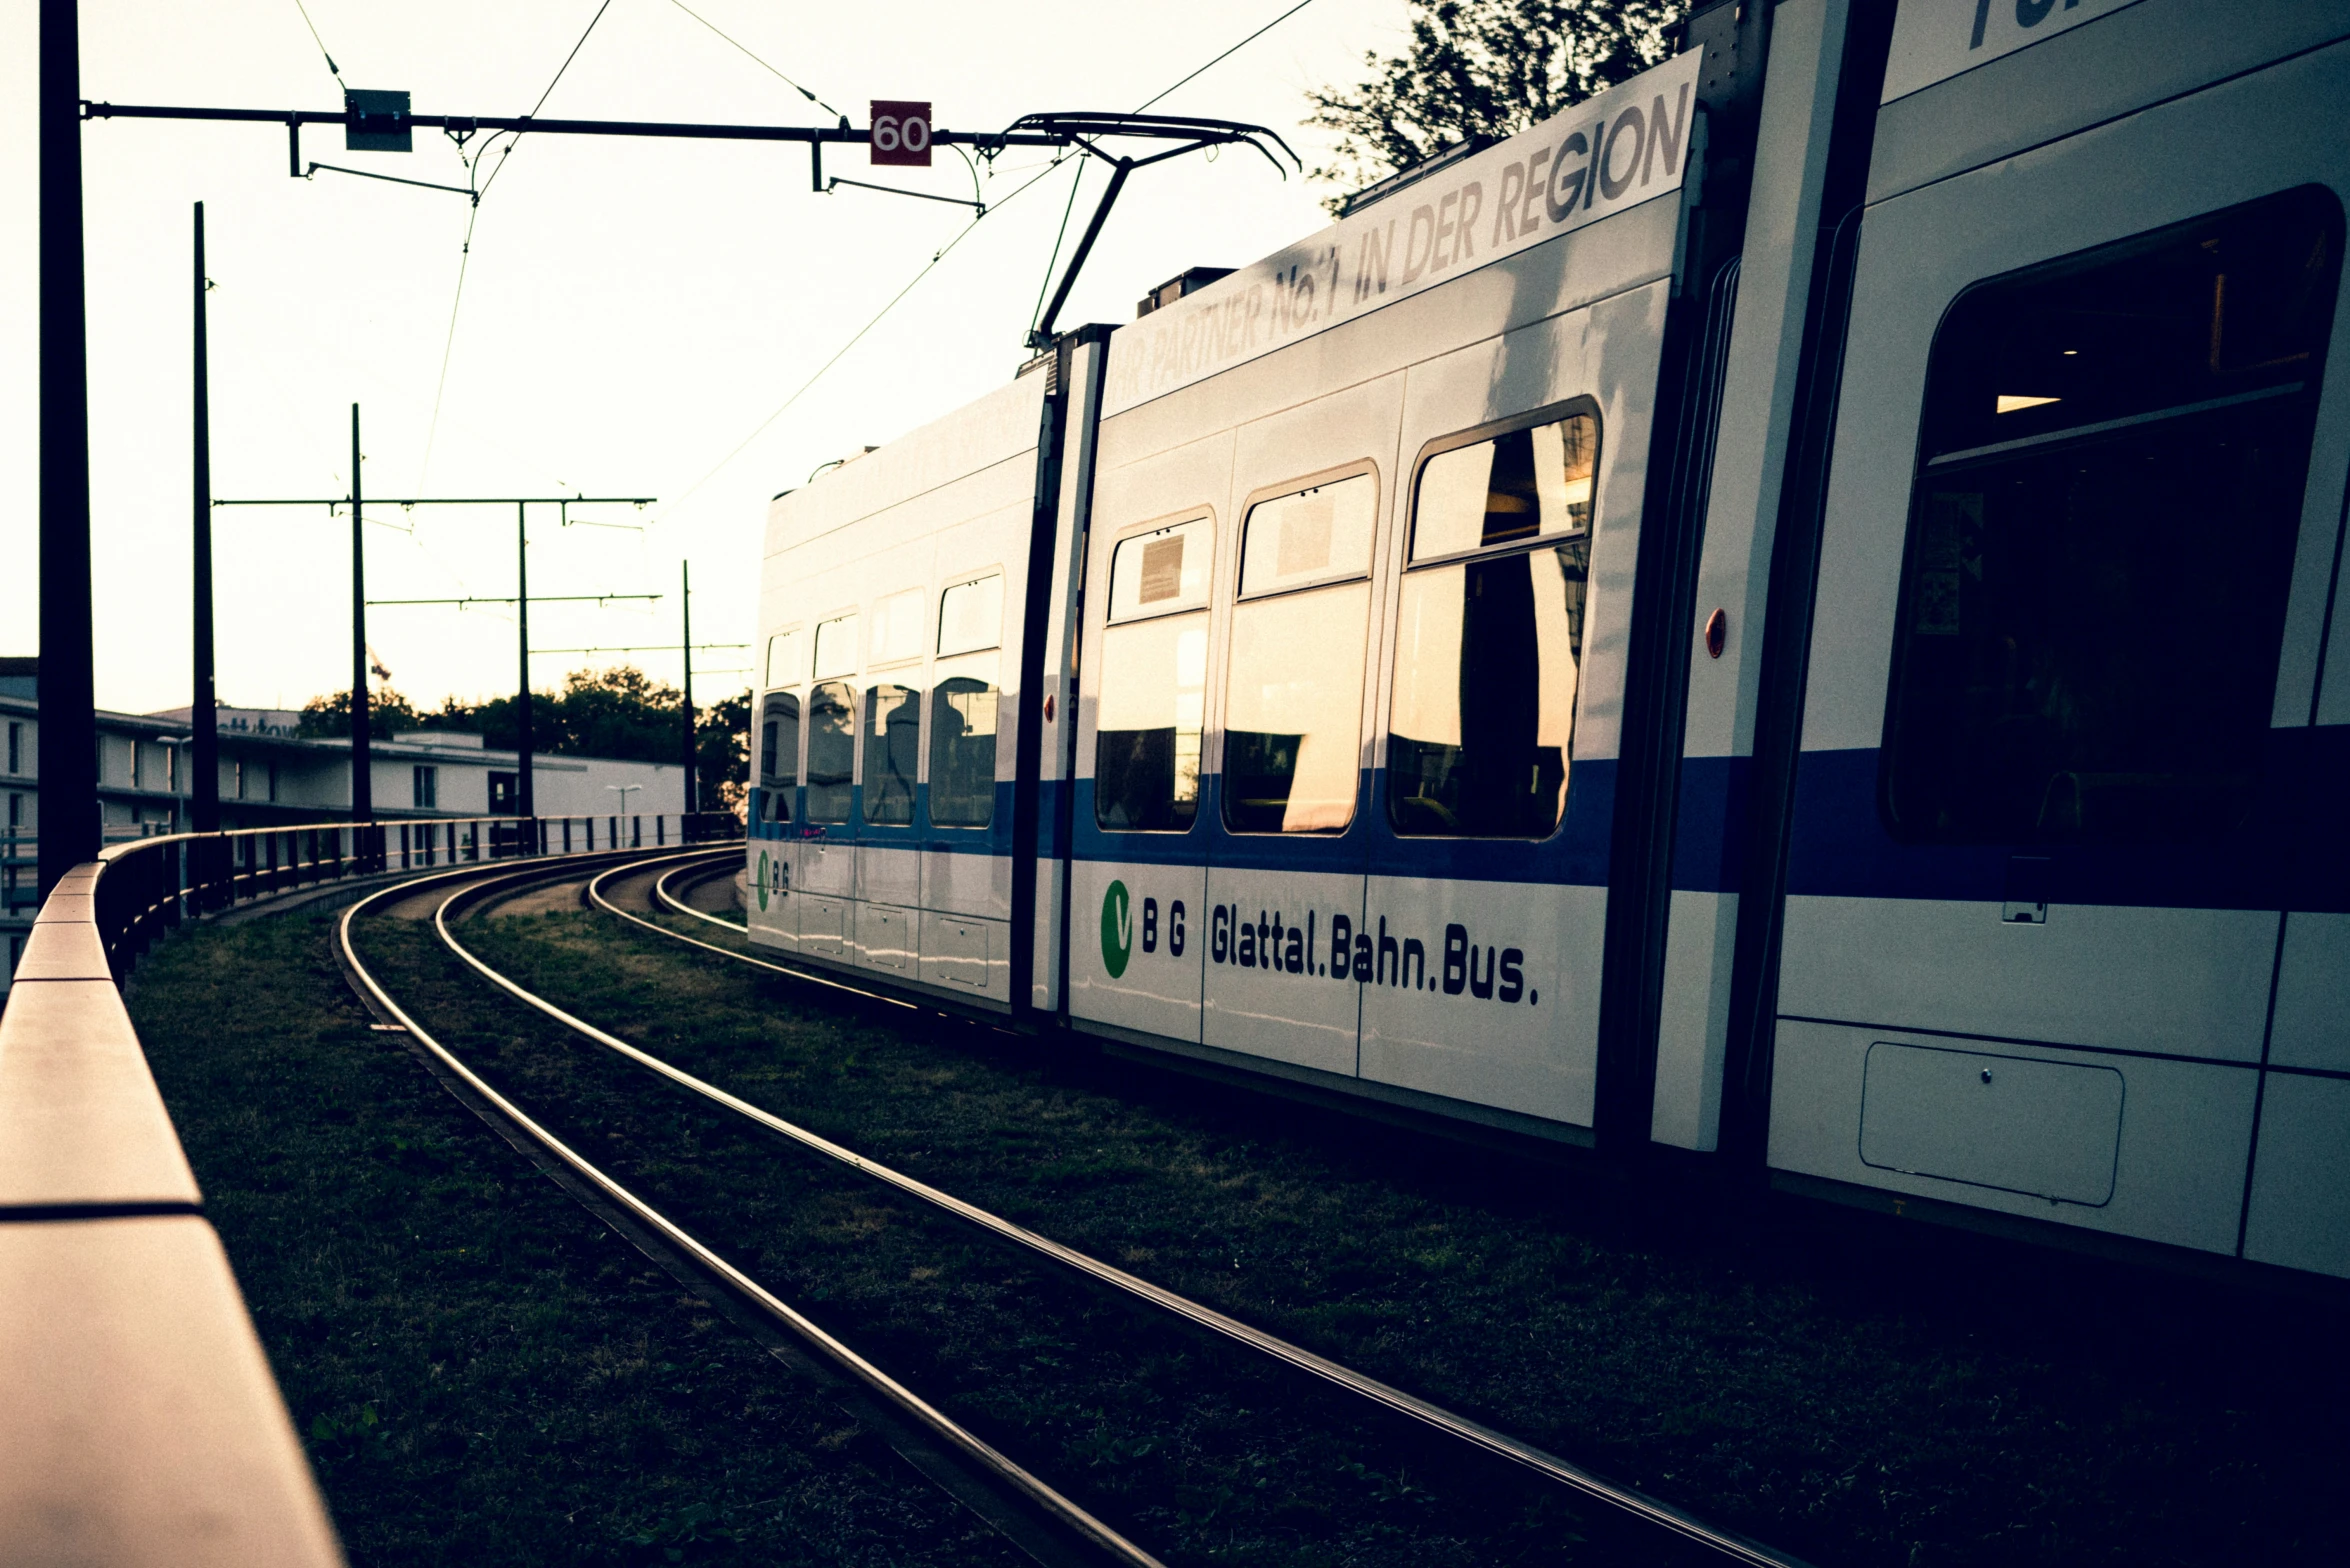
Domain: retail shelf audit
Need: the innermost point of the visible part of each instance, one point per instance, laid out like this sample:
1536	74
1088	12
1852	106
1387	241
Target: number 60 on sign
901	132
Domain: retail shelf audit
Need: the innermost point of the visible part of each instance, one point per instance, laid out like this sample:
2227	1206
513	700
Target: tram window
1522	484
1489	648
783	658
779	754
2103	438
897	628
836	646
1293	695
893	740
962	744
832	747
1147	741
971	616
1162	571
1154	681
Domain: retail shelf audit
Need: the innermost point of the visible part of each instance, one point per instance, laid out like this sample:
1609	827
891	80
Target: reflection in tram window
893	746
1147	741
2159	398
1486	659
1294	690
779	755
1489	650
1519	485
962	745
832	749
1154	681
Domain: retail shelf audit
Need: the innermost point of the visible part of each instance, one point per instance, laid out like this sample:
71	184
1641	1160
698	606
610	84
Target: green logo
1117	929
762	879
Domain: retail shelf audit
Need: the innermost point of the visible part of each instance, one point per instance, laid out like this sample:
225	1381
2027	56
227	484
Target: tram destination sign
1934	40
1629	145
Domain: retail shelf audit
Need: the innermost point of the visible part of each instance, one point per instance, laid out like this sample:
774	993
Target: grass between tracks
1854	1390
482	1372
1857	1392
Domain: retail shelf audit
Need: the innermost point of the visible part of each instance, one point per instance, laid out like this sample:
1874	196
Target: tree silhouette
1480	70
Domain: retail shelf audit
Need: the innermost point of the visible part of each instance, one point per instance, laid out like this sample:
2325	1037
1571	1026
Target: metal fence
139	1422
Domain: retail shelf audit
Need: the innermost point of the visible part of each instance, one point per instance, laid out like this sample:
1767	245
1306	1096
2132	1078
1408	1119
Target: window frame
938	611
770	681
2305	395
1547	414
1165	522
1406	566
1359	468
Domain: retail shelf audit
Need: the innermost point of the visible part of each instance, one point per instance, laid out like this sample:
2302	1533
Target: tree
1483	70
620	713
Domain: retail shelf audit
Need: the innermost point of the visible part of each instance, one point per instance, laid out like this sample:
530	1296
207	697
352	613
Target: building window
16	811
1293	699
503	794
1489	634
273	783
1154	681
239	766
138	764
2108	497
427	784
15	747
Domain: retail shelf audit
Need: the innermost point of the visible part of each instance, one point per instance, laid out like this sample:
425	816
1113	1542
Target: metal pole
204	717
68	735
685	597
525	797
362	764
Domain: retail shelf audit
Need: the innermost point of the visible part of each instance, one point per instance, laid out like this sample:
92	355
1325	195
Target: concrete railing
139	1422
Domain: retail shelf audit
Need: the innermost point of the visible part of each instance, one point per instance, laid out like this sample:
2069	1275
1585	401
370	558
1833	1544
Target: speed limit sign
901	132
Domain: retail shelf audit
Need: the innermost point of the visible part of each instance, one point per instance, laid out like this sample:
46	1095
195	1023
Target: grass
1203	1452
482	1372
1856	1390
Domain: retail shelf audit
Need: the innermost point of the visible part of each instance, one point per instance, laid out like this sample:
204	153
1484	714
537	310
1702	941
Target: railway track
1037	1515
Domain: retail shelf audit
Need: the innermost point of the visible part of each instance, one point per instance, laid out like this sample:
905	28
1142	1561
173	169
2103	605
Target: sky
632	311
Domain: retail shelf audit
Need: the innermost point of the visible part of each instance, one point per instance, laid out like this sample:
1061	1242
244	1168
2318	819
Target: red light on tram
1717	633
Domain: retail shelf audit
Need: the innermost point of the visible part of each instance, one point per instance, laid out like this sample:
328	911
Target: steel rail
661	892
1730	1544
962	1439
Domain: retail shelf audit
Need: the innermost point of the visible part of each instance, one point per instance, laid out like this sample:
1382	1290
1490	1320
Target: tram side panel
1798	124
2058	810
891	598
1401	890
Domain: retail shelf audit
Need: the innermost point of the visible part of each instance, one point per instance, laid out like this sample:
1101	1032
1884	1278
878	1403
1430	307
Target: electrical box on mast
378	121
901	132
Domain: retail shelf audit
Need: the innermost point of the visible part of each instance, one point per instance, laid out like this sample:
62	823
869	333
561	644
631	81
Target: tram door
1290	821
2080	532
1138	874
827	854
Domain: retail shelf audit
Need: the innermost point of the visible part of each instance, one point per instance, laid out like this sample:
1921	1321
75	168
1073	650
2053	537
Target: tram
1789	614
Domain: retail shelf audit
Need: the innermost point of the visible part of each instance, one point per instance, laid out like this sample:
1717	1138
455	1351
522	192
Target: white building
271	777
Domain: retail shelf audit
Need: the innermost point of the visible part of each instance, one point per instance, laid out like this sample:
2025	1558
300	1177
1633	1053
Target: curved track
1448	1424
1102	1541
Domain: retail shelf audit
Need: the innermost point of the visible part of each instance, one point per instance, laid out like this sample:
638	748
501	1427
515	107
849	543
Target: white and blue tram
1788	613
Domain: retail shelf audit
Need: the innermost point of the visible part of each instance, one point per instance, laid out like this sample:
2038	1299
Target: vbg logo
1117	929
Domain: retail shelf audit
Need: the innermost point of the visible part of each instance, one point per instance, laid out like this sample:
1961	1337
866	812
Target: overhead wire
840	353
1229	53
762	64
331	68
465	251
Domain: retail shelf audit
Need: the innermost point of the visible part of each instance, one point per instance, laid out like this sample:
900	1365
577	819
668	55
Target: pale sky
632	309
